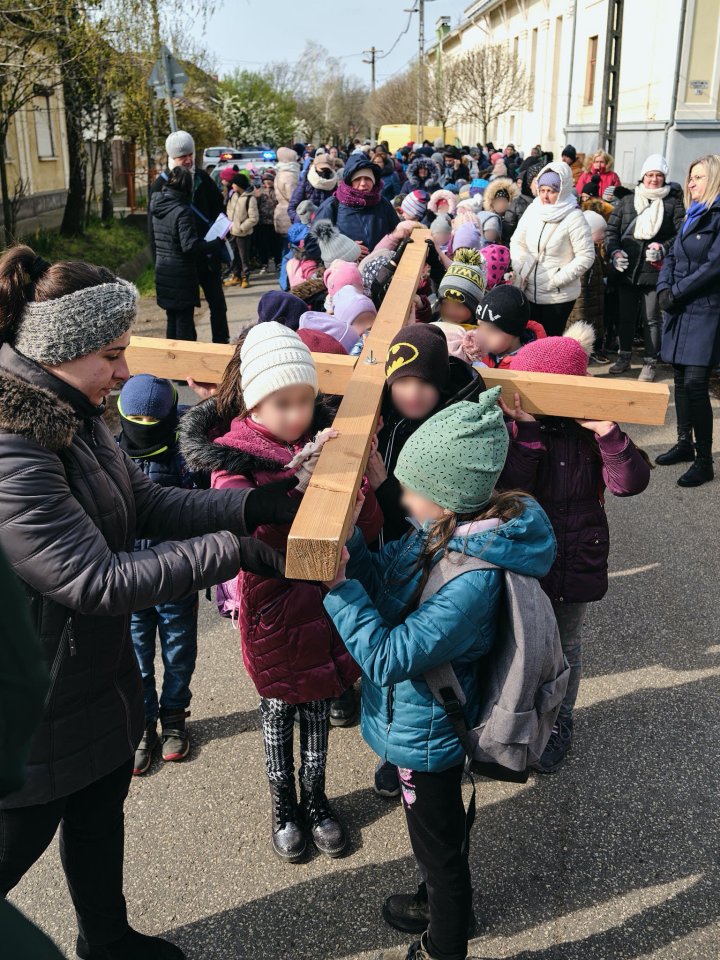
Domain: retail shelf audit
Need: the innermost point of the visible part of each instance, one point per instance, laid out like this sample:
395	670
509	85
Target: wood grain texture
206	362
590	398
320	528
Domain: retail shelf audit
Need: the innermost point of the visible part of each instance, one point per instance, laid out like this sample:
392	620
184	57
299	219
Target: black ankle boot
682	452
288	840
131	946
700	472
325	829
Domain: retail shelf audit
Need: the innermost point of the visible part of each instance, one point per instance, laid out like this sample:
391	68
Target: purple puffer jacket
567	472
306	191
290	646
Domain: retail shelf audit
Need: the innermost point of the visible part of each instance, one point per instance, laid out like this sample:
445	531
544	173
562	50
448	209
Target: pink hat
227	173
497	258
348	304
327	323
342	274
568	354
494	157
448	196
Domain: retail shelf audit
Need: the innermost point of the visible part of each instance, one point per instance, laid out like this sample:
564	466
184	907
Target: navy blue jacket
367	225
691	271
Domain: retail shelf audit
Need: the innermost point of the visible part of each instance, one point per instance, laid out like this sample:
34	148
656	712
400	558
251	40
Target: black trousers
92	839
692	405
553	316
436	823
181	324
629	299
210	277
267	244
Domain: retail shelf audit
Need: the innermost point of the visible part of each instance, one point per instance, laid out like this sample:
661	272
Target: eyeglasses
697	179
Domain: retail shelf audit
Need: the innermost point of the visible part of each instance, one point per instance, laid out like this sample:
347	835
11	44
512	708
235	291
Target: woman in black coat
72	505
689	295
640	232
177	248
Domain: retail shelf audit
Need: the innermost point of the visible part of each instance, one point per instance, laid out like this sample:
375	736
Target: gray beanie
179	144
333	244
305	210
55	331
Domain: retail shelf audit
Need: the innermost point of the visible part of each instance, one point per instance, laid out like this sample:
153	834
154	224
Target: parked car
215	156
252	164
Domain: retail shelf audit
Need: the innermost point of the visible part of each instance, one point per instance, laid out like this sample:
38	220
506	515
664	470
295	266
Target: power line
399	36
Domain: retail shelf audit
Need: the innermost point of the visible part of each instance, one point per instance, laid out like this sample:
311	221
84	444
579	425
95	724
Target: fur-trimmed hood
448	196
501	183
201	426
432	179
30	407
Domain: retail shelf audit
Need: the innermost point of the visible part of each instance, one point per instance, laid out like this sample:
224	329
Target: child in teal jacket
448	469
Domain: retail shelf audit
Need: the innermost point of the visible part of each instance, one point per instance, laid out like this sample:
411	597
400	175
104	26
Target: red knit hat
318	342
568	354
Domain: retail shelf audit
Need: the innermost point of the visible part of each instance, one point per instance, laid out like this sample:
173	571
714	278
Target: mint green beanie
456	457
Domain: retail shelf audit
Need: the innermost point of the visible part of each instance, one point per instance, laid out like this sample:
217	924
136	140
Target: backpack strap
442	681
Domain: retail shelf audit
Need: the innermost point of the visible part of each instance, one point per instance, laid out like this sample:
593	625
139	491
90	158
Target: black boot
682	452
700	472
131	946
144	752
325	829
410	912
288	840
343	710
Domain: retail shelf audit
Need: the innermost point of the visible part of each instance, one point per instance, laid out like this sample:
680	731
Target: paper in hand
219	229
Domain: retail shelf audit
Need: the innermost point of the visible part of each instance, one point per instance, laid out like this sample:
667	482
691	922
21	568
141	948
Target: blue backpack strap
164	175
198	213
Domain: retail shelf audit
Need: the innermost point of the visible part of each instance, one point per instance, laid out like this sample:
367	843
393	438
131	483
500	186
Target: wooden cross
319	531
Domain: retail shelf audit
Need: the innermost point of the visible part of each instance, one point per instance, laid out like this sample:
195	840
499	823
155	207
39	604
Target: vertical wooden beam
320	528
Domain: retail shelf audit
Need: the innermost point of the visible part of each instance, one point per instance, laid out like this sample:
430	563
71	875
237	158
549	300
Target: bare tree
444	92
491	82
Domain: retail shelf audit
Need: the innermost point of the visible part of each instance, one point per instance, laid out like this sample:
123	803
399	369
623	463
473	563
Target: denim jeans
176	623
570	618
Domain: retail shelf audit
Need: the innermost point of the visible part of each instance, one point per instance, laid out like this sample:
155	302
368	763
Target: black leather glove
271	504
666	300
257	557
437	267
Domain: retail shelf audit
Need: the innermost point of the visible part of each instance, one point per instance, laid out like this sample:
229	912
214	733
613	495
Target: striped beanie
414	206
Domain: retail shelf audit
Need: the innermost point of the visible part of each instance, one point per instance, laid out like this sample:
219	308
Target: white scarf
320	183
650	210
555	212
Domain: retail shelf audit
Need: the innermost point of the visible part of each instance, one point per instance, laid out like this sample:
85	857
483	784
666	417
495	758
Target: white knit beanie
273	357
655	162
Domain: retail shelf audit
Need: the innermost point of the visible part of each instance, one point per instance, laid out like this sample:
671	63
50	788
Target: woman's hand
376	472
202	390
600	427
271	504
654	252
340	575
516	413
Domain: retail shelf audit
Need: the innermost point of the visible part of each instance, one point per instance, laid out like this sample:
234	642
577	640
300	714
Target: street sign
167	76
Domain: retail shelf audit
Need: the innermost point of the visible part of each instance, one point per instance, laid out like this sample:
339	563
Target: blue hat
146	396
281	307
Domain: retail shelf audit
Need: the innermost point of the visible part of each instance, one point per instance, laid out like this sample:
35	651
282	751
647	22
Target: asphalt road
613	858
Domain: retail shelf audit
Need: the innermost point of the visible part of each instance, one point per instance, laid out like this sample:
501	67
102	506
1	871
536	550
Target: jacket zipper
537	262
66	639
386	460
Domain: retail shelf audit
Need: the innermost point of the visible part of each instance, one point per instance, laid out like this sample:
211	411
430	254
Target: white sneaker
648	372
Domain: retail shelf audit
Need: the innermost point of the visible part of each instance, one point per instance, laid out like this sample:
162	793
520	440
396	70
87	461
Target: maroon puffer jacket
567	472
290	647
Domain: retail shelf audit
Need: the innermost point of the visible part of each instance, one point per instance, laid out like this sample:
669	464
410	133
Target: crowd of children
517	277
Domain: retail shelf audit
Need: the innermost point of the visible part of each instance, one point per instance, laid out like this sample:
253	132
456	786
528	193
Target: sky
241	30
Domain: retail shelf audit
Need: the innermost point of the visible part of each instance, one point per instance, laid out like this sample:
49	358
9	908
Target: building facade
36	156
668	83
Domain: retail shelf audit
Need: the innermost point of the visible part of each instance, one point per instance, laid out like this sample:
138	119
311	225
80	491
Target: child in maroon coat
291	649
567	465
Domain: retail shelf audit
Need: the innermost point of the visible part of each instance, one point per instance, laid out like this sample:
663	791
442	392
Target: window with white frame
43	127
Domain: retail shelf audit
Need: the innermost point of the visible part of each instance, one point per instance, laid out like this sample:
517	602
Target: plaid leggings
278	720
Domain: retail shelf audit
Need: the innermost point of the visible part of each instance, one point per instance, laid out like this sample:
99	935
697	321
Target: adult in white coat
552	249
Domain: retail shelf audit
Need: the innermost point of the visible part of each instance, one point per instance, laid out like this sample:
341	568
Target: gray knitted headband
77	324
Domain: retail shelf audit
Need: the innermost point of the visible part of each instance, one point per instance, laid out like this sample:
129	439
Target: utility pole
611	76
372	53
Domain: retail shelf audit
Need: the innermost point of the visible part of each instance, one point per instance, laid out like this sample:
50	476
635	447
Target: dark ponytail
25	278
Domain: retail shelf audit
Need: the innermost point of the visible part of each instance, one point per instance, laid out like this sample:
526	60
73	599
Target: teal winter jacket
400	719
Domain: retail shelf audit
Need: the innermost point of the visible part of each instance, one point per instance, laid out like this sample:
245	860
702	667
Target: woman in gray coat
71	507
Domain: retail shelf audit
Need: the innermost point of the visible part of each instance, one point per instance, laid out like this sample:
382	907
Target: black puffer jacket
71	507
207	199
517	207
619	236
465	384
177	248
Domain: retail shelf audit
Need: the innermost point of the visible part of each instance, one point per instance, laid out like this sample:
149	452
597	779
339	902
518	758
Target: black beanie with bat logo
419	350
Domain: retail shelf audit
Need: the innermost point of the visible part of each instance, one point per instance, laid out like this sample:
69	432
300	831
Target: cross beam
318	533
